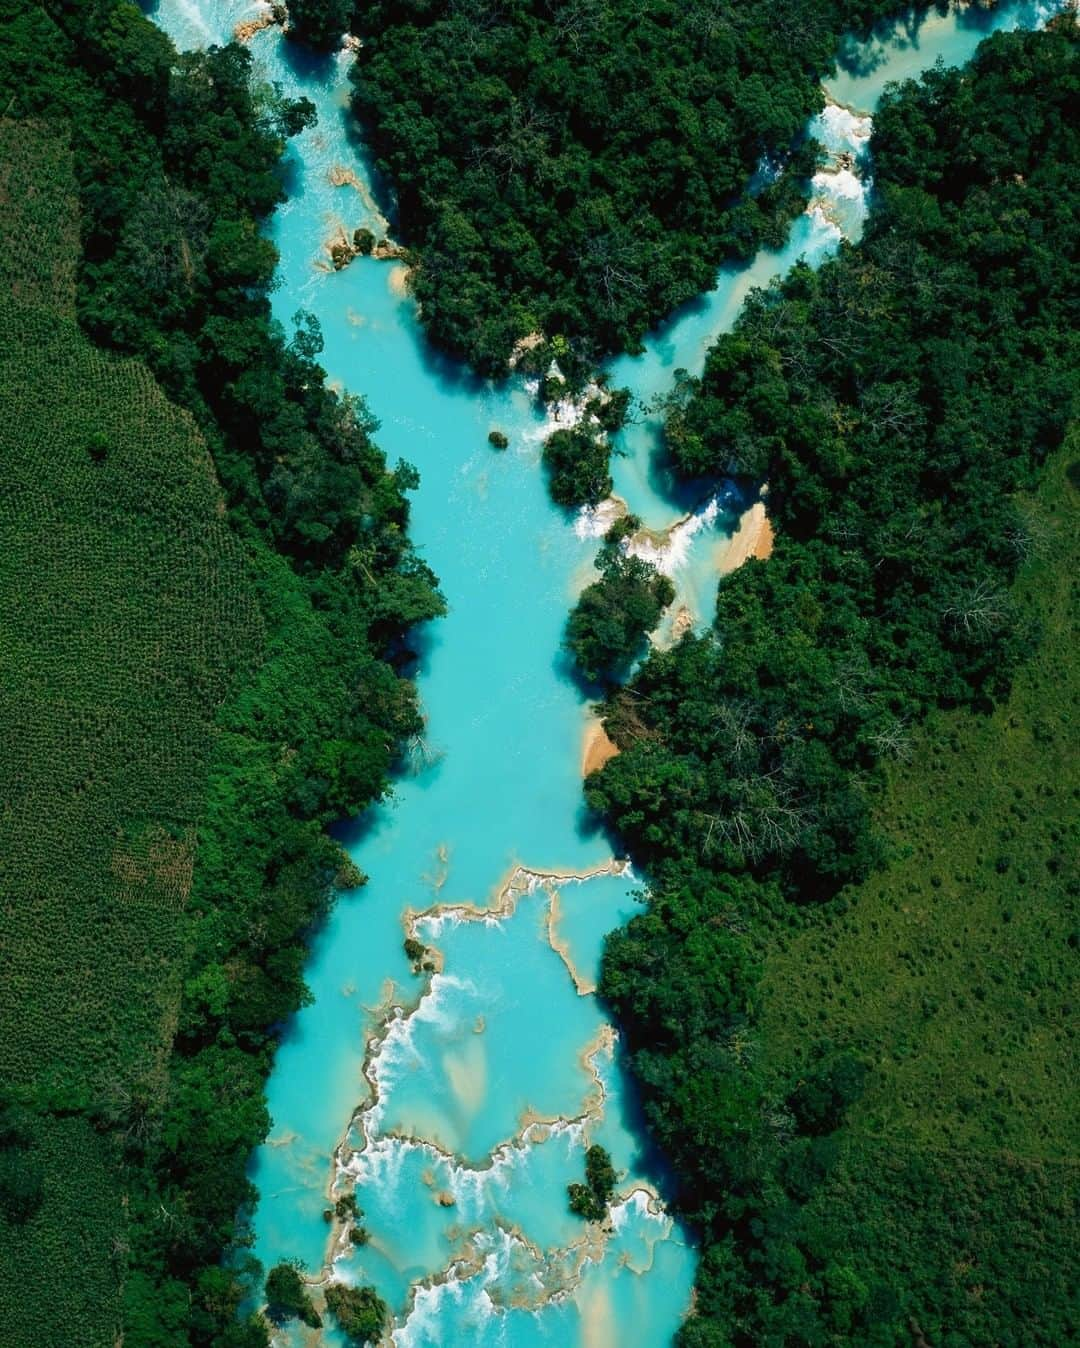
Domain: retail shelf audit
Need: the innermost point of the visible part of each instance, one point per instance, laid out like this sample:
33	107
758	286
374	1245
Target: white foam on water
441	1304
840	130
434	924
639	1206
843	197
825	227
595	521
396	1053
842	183
382	1162
564	413
674	551
192	12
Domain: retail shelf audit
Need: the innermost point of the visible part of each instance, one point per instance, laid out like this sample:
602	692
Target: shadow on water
588	825
564	669
983	19
648	1162
684	494
382	191
863	53
660	339
322	68
350	833
307	66
423	643
452	374
291	173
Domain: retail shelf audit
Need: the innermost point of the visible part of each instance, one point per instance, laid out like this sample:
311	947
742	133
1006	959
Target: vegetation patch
206	578
608	627
590	1200
861	1075
360	1312
952	969
582	168
60	1205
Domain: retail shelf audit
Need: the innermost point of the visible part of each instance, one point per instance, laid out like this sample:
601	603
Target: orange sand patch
753	538
597	748
244	32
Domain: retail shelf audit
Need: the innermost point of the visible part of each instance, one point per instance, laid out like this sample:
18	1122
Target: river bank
500	781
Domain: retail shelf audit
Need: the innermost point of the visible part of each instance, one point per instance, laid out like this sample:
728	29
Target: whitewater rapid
456	1101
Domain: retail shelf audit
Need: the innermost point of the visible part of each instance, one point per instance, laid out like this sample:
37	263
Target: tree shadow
308	65
648	1162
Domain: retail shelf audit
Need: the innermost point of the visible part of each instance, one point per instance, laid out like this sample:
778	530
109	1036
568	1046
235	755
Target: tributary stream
459	1102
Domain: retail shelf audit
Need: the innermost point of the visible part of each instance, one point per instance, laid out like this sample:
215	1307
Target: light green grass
952	973
952	969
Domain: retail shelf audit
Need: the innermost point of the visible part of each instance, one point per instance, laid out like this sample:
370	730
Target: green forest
207	586
580	168
847	1002
607	629
847	999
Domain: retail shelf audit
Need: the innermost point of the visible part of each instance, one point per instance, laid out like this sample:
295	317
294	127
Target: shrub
360	1311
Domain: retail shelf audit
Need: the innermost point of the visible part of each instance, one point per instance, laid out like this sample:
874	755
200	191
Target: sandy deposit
596	747
399	279
753	538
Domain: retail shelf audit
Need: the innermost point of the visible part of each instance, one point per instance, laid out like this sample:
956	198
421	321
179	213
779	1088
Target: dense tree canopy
360	1312
287	1297
319	23
590	1200
176	164
581	167
895	400
608	626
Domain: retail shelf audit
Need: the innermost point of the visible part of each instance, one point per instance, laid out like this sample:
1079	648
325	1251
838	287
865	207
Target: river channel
458	1103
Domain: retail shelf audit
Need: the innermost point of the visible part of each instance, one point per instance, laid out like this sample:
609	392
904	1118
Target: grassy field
128	611
953	968
952	973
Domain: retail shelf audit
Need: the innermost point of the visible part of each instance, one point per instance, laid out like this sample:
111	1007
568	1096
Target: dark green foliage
821	1100
68	1171
498	440
346	1207
414	949
287	1297
970	1247
577	465
606	630
21	1185
590	1200
360	1311
577	458
896	401
197	686
319	23
22	1175
951	968
582	168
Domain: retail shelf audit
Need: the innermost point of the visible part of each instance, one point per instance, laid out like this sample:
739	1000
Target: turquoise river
458	1103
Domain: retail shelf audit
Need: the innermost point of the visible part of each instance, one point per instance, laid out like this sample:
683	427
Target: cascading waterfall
457	1101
